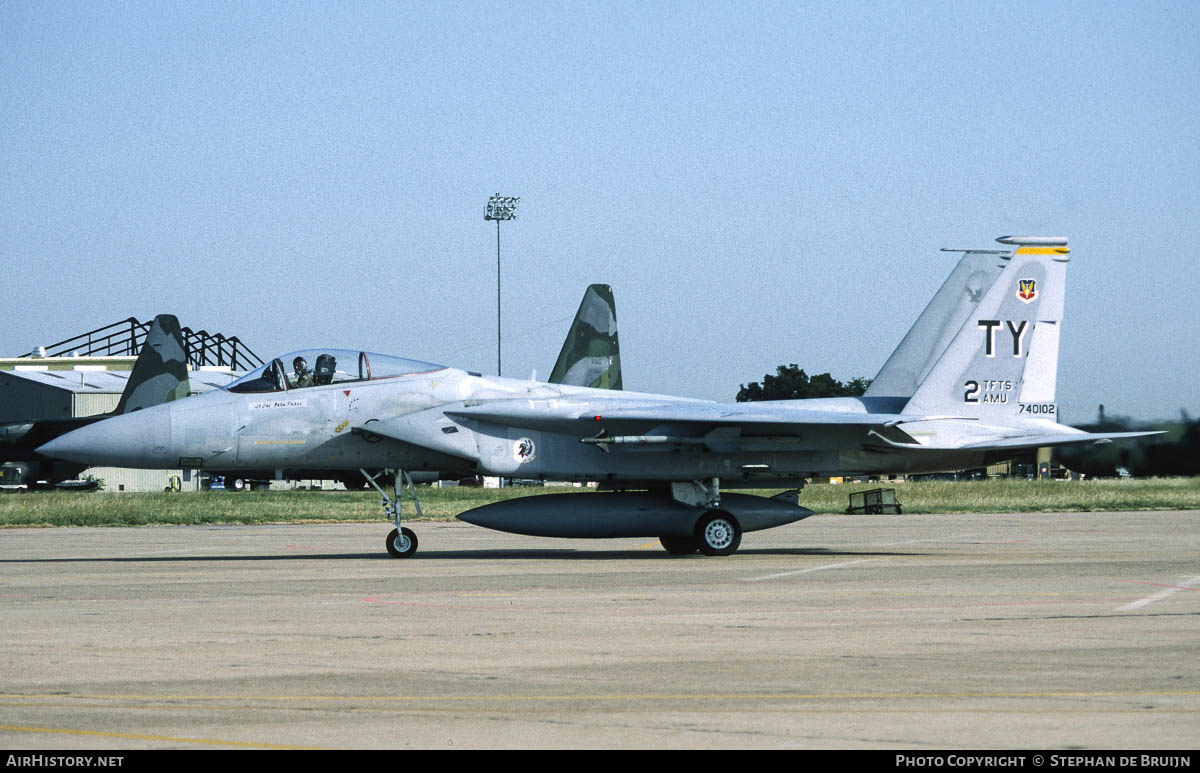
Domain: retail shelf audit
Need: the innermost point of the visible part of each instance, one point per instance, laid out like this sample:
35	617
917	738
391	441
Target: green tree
790	382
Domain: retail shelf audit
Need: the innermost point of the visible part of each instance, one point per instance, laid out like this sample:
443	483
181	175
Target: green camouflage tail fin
1003	362
929	336
591	355
160	374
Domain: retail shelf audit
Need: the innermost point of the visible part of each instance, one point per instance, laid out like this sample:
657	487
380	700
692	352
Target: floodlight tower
500	208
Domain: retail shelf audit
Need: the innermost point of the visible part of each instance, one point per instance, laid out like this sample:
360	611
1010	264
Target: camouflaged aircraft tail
1003	361
160	374
591	355
929	336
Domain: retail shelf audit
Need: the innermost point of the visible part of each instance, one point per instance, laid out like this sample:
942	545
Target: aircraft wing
565	414
716	425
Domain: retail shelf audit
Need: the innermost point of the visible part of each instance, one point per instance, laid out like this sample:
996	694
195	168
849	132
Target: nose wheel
402	543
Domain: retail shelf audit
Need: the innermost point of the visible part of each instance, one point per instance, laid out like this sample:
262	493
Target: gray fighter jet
988	393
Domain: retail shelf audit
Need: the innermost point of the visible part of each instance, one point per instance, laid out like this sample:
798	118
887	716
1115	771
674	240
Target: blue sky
761	183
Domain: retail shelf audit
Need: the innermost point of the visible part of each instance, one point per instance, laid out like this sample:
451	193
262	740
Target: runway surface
906	632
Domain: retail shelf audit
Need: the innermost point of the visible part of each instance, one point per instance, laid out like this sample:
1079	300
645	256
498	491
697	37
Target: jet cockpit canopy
318	367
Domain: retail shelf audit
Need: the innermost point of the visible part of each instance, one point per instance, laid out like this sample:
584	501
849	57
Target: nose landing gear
402	541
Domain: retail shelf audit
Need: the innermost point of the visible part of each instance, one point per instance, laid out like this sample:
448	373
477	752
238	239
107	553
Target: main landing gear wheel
402	543
679	546
718	533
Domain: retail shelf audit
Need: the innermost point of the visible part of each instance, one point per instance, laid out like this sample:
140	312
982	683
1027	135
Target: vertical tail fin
1003	361
929	336
160	373
591	355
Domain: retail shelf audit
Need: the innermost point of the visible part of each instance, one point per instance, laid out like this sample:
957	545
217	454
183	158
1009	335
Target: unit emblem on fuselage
524	450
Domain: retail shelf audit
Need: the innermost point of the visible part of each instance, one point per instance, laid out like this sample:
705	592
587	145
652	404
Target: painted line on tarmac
1168	591
163	738
927	539
806	571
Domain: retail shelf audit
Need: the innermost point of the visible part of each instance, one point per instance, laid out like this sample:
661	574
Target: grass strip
197	508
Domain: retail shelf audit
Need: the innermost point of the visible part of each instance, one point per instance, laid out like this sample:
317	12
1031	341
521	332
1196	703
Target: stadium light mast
500	208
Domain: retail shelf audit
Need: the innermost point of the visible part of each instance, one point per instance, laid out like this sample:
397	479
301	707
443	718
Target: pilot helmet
326	364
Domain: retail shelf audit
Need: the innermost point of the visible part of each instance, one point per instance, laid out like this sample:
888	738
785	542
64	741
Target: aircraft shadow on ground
493	554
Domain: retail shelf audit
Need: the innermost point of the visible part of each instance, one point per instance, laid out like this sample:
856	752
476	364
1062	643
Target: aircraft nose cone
138	439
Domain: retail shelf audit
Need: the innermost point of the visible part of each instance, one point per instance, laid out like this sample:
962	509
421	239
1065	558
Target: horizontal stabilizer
1024	441
1058	440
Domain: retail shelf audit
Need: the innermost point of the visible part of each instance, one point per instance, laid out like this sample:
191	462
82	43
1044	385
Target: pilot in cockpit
301	375
326	367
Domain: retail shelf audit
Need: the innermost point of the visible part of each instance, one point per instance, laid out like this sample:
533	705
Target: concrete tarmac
1049	631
